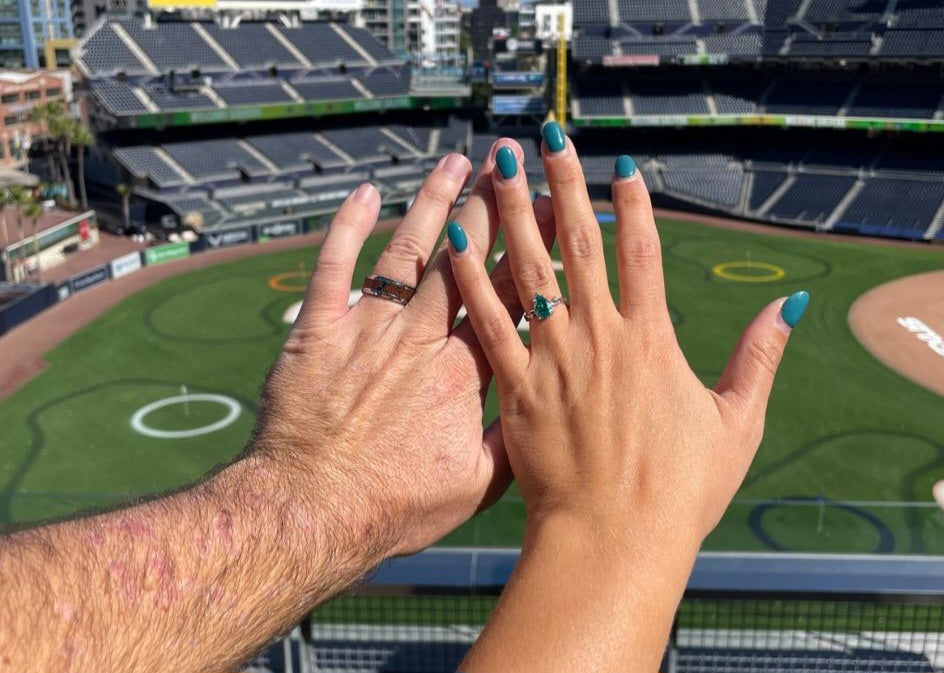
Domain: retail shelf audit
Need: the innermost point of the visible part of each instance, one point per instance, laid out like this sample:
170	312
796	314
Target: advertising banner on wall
166	253
87	279
272	230
125	264
518	105
224	239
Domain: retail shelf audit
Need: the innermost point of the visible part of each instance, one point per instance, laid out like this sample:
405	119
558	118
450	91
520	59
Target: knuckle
493	328
505	288
331	264
515	209
534	273
406	247
436	193
765	353
584	243
640	250
567	177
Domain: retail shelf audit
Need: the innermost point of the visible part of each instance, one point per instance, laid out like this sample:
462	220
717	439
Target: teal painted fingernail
794	307
507	162
625	166
457	238
554	137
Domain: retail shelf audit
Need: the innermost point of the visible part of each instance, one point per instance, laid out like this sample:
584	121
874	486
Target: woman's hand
616	445
376	411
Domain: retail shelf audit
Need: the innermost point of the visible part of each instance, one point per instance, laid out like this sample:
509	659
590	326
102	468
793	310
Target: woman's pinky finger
496	333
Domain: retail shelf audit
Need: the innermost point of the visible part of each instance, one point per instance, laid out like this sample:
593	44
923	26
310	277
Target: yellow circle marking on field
724	270
277	282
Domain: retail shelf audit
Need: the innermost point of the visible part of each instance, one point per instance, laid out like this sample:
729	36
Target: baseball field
163	387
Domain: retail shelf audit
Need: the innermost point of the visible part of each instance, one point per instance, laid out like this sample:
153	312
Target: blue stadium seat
253	93
296	151
144	162
117	97
723	10
764	185
320	44
106	54
895	207
812	198
174	45
220	159
252	45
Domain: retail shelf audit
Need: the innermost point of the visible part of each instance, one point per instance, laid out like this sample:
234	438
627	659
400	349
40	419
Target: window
11	120
10	98
32	95
51	93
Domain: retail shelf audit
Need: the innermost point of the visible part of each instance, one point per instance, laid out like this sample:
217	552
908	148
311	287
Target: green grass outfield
841	426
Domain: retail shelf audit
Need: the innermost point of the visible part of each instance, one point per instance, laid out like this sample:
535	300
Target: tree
124	191
5	200
33	209
81	139
60	131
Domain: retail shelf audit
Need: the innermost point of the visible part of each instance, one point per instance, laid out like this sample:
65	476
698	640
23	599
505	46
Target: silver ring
388	288
542	308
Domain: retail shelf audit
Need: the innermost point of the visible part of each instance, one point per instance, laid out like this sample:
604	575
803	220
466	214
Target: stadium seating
805	96
173	46
897	98
723	10
253	46
764	185
654	11
592	12
117	97
215	159
192	65
601	98
145	162
668	97
879	208
811	198
296	151
321	44
722	187
253	94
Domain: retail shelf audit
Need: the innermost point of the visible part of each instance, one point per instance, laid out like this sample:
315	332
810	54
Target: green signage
807	121
166	253
241	113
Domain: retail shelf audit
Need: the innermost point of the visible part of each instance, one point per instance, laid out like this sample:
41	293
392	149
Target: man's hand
378	408
369	444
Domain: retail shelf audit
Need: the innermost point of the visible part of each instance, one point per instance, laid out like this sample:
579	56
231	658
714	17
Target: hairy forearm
584	601
197	581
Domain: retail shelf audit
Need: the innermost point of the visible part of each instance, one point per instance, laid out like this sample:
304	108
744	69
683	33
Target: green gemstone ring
542	308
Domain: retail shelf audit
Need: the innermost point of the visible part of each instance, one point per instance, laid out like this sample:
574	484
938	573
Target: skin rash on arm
198	581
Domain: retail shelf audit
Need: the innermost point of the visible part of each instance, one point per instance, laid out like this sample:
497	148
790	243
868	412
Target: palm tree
124	191
33	209
81	139
19	197
5	200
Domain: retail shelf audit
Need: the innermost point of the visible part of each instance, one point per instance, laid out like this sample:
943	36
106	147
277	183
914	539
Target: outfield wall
39	298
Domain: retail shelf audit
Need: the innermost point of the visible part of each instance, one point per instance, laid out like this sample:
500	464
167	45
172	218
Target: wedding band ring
388	288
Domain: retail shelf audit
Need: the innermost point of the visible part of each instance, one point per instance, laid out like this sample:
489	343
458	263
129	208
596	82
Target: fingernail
364	193
625	166
455	165
554	137
507	162
457	238
794	307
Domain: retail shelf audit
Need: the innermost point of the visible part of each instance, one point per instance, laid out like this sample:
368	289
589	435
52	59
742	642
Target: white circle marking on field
137	420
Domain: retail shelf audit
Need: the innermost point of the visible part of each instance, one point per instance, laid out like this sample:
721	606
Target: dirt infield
902	324
24	348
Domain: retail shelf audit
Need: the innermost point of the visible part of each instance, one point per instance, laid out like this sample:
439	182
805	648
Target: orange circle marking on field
277	281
